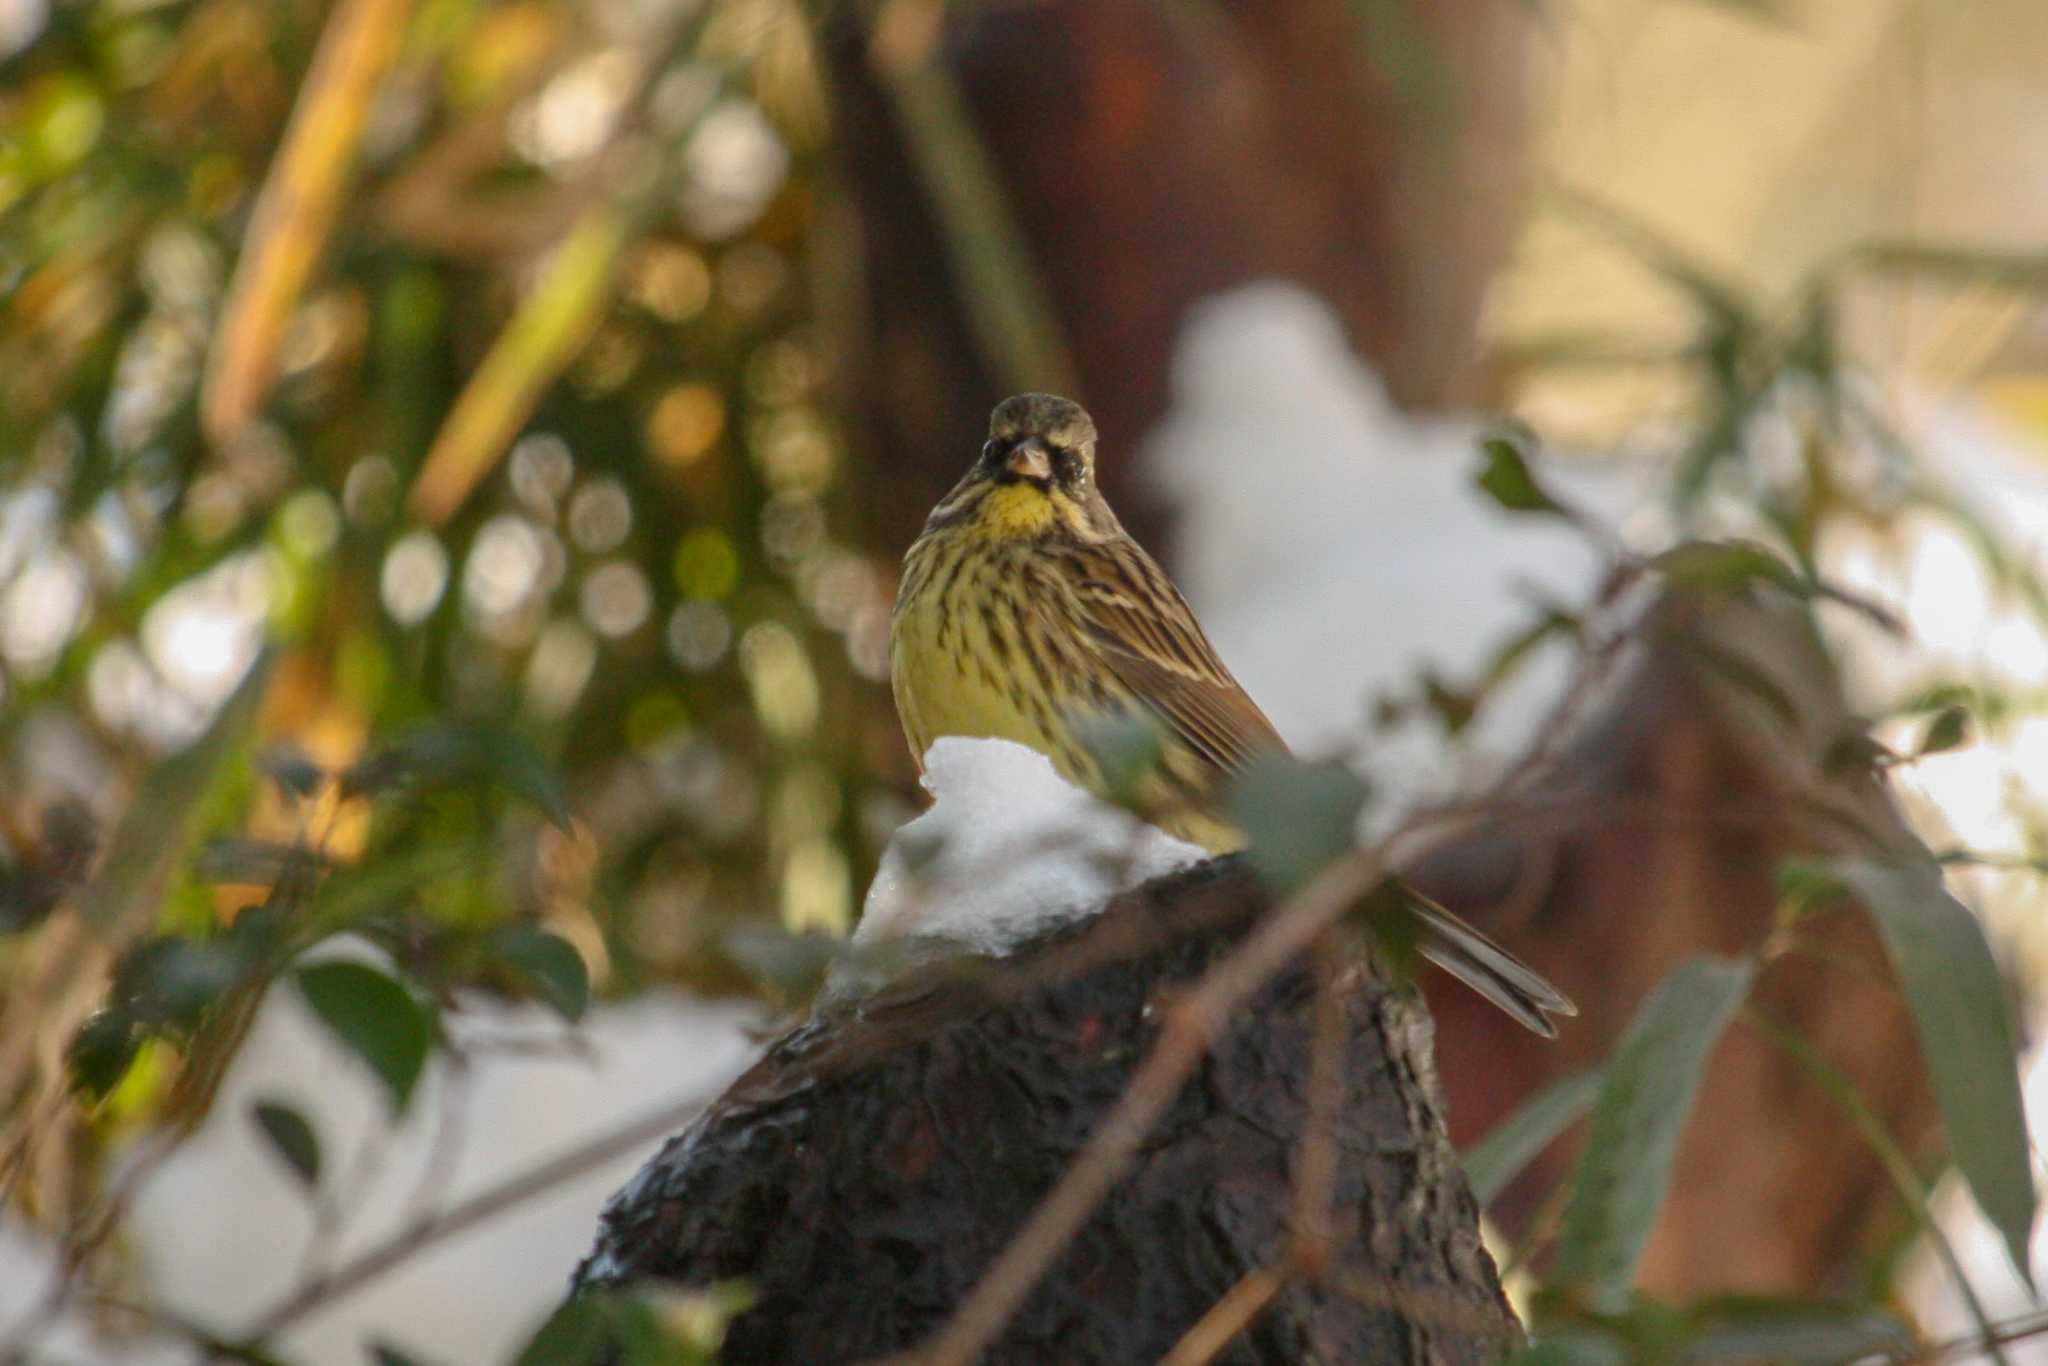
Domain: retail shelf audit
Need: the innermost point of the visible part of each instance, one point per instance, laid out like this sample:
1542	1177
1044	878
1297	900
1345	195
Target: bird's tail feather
1487	968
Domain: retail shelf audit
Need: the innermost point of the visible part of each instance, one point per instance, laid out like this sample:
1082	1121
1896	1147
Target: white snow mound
1008	850
1333	546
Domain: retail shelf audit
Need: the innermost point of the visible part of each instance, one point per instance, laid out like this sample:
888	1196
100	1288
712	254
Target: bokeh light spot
685	424
706	565
415	575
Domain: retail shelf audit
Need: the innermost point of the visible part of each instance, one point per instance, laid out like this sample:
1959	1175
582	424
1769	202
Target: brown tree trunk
865	1174
1652	827
1154	154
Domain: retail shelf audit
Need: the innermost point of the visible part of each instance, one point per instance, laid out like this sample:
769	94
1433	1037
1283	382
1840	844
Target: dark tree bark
869	1169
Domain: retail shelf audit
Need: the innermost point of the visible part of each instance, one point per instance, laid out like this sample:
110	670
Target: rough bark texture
869	1169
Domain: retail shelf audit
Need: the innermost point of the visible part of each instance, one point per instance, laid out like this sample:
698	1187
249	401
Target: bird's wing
1152	643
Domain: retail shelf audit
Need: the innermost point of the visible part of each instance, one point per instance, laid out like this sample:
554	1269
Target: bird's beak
1029	459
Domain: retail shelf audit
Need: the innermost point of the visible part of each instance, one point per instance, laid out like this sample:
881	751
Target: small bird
1027	613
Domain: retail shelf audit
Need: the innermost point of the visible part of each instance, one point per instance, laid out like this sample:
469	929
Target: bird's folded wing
1162	657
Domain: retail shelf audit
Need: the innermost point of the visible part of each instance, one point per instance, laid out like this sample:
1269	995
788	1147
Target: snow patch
220	1231
1334	546
1008	850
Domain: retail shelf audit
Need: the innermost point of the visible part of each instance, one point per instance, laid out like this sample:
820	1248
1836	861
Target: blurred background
455	458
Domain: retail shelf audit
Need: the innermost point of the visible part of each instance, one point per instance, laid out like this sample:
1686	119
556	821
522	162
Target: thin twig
1226	1318
437	1174
2001	1334
1315	1169
1315	1174
1190	1026
436	1226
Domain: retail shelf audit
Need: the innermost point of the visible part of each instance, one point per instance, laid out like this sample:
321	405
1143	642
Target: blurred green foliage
422	520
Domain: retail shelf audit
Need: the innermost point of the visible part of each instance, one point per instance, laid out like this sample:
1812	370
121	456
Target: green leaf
162	819
1389	916
1856	755
1727	567
1454	707
296	776
384	1354
1576	1347
1505	478
1807	887
603	1328
1515	1142
100	1052
169	982
439	756
1127	750
1551	621
1645	1097
1298	817
240	860
375	1017
1948	729
550	963
1960	1011
291	1138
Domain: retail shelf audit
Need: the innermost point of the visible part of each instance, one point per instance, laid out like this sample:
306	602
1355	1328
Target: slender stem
1227	1318
1315	1168
434	1226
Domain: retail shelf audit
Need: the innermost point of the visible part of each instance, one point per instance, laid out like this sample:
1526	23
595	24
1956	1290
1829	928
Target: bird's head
1037	471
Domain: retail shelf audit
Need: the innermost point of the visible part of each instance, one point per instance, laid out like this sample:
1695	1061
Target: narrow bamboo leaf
291	1138
375	1017
1645	1097
1512	1144
1959	1010
537	342
1794	1332
295	213
160	824
1002	285
1578	1347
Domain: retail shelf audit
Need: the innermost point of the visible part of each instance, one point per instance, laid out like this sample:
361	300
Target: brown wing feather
1152	643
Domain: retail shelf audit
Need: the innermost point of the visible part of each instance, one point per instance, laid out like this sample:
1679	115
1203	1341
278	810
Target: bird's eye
988	452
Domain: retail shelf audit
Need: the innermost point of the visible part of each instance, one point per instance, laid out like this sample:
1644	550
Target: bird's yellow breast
1016	510
982	646
957	668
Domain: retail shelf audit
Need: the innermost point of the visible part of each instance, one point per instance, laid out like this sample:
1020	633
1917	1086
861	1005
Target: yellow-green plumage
1026	611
